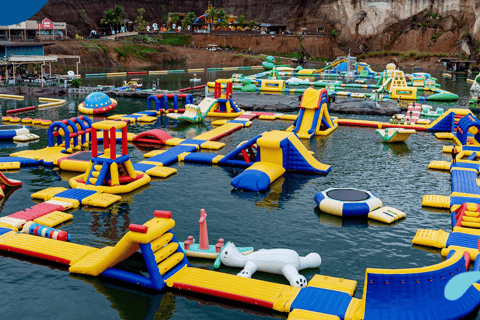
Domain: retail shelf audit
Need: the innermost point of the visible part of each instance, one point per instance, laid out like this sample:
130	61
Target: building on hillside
31	30
273	28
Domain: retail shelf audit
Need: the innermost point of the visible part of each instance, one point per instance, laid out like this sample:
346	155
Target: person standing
454	154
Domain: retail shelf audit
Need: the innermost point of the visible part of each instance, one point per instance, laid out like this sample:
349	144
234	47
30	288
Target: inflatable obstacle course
194	113
225	106
266	157
108	172
323	298
313	118
64	137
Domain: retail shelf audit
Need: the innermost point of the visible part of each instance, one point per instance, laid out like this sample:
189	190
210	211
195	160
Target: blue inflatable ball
97	100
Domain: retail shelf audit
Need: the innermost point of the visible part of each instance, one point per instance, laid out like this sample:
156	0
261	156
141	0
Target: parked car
212	47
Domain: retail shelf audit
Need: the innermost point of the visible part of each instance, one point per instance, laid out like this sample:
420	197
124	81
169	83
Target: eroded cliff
451	26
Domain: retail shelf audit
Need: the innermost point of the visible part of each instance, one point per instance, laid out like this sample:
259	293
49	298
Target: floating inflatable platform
395	135
385	291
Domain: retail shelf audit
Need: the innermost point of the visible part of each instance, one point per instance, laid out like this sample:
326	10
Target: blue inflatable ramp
465	181
444	123
417	293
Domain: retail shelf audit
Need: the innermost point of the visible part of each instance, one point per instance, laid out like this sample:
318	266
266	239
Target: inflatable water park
284	193
345	73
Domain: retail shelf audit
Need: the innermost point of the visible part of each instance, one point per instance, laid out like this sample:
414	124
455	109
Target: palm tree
241	20
212	14
188	20
221	15
175	18
113	17
119	14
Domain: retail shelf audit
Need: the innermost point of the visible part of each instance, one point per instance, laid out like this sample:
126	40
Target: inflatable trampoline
347	202
97	103
10	131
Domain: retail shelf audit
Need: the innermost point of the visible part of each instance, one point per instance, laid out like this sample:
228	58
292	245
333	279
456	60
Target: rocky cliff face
361	25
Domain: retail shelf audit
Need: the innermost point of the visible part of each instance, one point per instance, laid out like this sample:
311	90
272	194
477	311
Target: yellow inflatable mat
44	248
257	292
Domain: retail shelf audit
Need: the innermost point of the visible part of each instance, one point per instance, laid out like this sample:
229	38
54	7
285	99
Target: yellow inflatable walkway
44	248
229	286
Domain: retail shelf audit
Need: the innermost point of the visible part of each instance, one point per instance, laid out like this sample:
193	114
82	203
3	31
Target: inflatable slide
194	113
278	151
313	118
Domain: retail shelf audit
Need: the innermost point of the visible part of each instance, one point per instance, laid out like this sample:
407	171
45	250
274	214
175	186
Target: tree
141	23
212	15
175	18
164	17
113	17
188	20
221	15
241	20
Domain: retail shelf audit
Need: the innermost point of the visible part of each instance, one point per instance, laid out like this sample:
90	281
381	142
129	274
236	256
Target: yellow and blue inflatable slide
267	157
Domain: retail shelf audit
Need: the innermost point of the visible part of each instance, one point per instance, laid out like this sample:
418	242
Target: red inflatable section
171	95
36	211
11	183
136	72
155	136
110	107
21	109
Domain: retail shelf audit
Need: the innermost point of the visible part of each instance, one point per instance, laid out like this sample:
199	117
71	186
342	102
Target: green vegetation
164	16
334	33
95	46
135	50
175	40
165	39
175	18
76	83
188	20
252	24
436	36
241	21
403	55
141	23
113	17
104	48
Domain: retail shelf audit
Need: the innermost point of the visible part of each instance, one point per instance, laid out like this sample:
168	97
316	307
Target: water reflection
131	303
7	193
397	148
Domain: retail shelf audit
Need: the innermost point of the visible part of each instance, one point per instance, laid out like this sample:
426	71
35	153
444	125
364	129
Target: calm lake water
283	217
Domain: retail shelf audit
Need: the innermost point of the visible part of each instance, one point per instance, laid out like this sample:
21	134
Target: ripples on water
284	216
